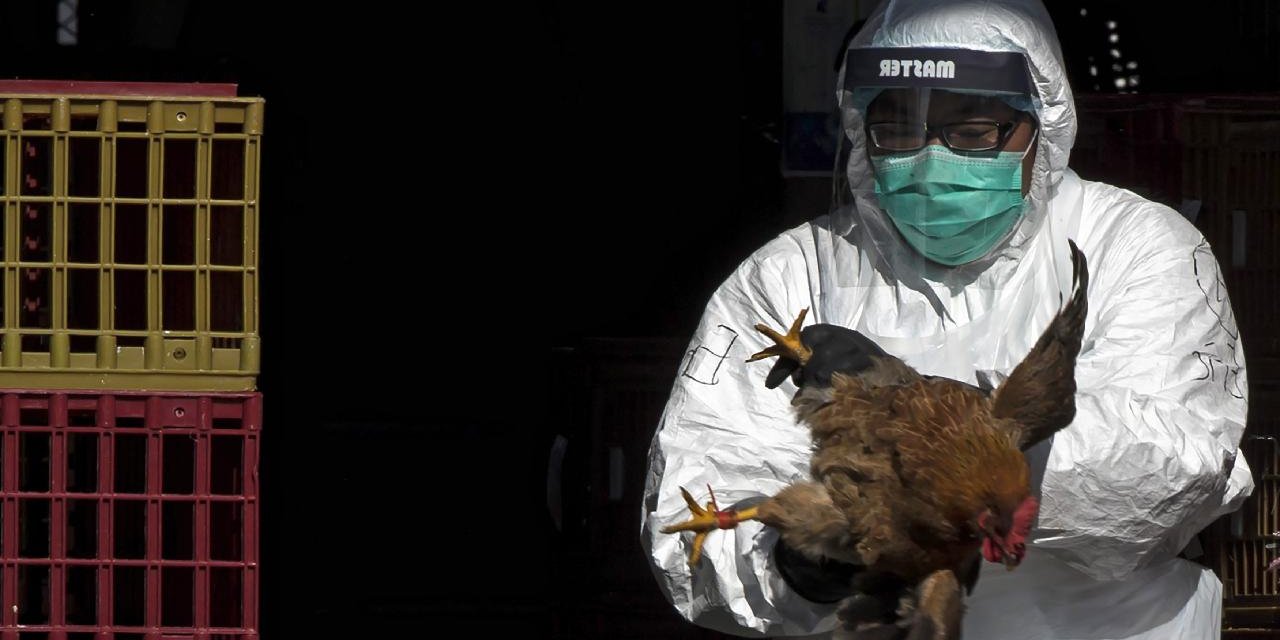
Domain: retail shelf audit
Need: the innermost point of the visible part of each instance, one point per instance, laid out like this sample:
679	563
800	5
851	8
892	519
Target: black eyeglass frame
1005	129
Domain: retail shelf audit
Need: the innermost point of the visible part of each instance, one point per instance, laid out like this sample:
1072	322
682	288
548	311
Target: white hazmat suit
1151	458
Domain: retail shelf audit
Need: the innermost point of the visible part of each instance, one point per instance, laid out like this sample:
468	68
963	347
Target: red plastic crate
129	516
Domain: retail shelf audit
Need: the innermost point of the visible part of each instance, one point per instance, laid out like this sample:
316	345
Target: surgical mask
951	208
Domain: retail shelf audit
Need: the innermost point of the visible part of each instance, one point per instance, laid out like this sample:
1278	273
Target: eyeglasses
959	136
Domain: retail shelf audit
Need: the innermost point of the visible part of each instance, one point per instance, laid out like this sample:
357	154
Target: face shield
931	160
950	138
948	168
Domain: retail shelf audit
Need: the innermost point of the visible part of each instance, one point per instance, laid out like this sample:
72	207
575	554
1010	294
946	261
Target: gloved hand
825	582
834	349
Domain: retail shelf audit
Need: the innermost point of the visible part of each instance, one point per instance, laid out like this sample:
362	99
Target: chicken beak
1010	555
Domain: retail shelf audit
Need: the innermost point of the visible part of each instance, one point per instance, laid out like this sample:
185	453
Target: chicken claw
788	346
707	519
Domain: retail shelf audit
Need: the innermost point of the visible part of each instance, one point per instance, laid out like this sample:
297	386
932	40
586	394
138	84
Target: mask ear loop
1035	139
1035	135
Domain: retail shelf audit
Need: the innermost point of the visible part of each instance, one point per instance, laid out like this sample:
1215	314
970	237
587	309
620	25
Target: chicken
914	478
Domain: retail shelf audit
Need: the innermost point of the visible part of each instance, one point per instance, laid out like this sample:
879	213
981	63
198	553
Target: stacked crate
1231	163
129	424
1129	140
610	396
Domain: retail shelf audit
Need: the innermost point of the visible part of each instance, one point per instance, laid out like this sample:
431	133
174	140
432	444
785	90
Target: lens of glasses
963	136
898	136
972	136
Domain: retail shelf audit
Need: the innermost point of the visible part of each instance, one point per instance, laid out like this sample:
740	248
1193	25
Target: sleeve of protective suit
1152	456
722	428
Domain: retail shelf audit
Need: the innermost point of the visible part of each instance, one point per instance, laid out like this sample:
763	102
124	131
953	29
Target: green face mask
951	208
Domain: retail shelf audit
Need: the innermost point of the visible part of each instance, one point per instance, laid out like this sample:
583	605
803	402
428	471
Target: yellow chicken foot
788	346
707	519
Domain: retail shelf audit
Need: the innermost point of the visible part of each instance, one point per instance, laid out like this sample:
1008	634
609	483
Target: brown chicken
915	478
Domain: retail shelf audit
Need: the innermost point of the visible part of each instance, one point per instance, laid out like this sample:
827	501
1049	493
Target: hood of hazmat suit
1151	458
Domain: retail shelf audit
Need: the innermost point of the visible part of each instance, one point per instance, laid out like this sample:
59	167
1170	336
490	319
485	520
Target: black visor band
936	68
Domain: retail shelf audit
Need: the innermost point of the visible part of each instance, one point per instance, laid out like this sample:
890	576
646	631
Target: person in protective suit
947	245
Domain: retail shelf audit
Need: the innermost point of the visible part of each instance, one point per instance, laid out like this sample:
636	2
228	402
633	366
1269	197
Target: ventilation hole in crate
33	594
82	595
82	462
178	520
128	588
177	588
82	529
33	528
131	463
33	461
130	529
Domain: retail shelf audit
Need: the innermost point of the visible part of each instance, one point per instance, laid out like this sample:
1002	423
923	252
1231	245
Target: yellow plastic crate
130	236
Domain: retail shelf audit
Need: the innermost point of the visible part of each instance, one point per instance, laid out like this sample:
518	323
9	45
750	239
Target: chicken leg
707	519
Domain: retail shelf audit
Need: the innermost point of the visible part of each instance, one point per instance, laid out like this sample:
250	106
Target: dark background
456	200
